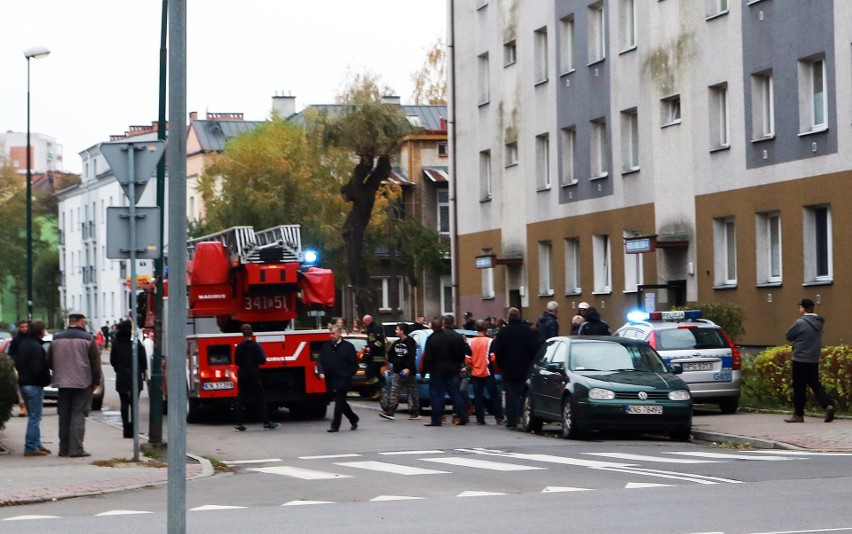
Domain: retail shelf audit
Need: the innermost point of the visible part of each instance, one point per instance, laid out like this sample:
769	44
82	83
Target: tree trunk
361	192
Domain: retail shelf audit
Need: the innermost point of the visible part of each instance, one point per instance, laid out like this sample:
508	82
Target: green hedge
8	388
768	378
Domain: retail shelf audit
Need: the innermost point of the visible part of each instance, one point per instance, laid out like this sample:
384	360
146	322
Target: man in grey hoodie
806	338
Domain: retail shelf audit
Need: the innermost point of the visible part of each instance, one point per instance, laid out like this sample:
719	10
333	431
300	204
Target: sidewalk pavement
36	479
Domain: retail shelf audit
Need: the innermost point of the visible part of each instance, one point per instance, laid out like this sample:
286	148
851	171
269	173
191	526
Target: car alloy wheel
529	422
569	420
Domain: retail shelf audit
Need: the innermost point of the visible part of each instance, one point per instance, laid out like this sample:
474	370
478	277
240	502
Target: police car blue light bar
637	316
311	256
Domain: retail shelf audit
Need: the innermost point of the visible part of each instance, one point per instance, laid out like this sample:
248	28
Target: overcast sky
102	73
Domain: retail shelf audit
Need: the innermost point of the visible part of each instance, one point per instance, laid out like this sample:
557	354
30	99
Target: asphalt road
401	475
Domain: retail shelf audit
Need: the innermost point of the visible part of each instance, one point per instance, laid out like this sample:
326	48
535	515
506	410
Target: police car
710	361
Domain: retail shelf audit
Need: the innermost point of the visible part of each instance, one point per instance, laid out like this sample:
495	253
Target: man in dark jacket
514	348
20	336
806	337
375	354
593	325
443	357
33	375
403	356
337	364
248	357
547	325
121	359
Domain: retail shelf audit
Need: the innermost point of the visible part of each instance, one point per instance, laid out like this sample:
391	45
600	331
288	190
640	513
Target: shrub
729	316
8	388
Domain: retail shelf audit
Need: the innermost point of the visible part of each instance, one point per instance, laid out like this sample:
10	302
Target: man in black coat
248	357
443	357
514	348
337	364
121	359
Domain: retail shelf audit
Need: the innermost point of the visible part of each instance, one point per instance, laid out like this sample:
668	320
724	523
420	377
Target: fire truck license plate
217	385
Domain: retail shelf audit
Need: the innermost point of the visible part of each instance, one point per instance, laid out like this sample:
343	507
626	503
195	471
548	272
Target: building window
597	32
818	244
566	44
540	39
442	150
602	255
545	271
599	148
670	111
443	212
542	161
627	24
446	295
487	282
630	140
762	106
510	53
725	251
572	266
768	241
511	154
485	175
633	272
568	145
813	104
714	8
484	93
719	117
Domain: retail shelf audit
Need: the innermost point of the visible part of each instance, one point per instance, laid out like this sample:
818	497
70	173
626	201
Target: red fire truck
240	276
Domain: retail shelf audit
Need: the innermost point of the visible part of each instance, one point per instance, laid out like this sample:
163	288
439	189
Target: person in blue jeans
443	357
33	375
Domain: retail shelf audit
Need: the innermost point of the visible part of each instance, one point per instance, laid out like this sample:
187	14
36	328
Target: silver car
710	361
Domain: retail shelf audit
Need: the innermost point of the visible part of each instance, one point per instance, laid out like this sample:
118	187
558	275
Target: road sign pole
131	194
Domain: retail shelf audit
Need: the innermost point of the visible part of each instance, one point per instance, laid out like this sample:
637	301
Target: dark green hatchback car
605	383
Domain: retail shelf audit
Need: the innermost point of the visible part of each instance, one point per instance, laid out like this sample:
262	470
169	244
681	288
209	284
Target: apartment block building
645	154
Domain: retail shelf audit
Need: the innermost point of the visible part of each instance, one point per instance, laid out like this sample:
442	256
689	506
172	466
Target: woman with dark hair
121	359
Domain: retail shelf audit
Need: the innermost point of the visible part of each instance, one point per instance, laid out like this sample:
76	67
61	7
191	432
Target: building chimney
193	116
390	99
284	106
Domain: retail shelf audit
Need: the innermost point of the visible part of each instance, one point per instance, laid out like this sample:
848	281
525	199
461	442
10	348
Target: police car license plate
643	410
697	366
217	385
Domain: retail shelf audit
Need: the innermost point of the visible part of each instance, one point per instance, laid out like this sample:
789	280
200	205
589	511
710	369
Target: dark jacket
248	357
547	326
443	355
594	326
121	359
806	337
403	355
31	363
514	348
16	342
338	363
376	342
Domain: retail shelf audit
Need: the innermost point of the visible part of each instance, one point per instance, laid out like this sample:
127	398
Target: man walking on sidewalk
806	337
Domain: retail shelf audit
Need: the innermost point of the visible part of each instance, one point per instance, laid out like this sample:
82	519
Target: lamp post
34	52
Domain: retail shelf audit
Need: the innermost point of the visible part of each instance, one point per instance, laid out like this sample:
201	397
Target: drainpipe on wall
451	134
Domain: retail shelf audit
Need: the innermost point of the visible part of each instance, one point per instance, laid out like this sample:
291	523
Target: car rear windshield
690	338
605	356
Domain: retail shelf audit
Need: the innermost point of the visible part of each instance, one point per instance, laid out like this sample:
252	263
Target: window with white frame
510	53
813	103
597	32
443	198
446	295
487	276
540	65
599	148
511	154
483	81
545	269
725	251
572	266
762	106
627	24
566	44
542	161
633	272
629	140
602	256
670	110
818	253
568	146
485	175
714	8
719	132
768	241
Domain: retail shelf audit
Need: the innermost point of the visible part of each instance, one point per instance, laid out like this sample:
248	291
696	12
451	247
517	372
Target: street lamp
34	52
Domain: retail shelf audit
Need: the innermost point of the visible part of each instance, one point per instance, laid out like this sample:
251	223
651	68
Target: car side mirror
676	368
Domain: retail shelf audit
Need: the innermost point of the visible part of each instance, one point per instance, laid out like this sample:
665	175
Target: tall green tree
13	236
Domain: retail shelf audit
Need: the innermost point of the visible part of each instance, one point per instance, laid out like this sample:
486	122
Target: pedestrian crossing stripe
562	489
729	456
381	498
304	503
478	494
297	472
482	464
123	512
638	485
645	458
209	507
430	451
28	517
329	456
396	469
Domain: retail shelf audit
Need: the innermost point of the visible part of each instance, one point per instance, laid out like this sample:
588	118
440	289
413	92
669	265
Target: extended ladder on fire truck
279	244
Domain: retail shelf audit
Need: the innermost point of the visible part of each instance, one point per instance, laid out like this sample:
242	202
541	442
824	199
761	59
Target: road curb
719	437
